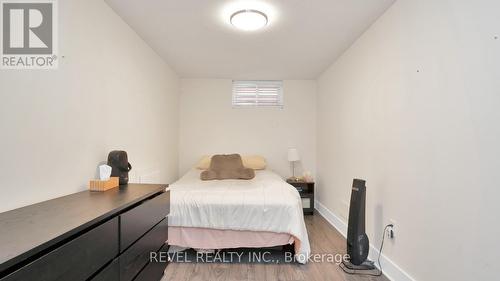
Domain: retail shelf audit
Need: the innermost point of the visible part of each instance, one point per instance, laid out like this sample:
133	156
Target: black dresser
87	236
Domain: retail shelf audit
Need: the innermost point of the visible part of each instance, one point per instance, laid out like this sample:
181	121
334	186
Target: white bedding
265	203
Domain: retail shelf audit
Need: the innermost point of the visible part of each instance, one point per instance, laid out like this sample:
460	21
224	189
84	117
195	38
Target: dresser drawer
301	186
137	256
154	270
110	273
307	203
136	222
78	259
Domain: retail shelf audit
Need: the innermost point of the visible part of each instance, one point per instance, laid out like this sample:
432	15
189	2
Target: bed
222	214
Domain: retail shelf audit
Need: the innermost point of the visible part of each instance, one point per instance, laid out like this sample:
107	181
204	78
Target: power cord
356	272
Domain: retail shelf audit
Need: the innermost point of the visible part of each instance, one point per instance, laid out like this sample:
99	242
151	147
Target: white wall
412	107
111	91
209	124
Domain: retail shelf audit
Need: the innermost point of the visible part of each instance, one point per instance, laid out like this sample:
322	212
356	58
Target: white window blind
257	93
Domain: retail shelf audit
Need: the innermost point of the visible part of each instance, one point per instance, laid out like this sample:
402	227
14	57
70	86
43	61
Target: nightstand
306	191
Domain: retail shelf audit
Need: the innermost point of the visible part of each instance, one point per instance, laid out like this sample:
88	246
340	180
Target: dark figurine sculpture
118	161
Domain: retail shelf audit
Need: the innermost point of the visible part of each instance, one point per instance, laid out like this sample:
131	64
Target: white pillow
255	162
204	163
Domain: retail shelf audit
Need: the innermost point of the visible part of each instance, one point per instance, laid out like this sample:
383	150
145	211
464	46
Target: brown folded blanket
224	167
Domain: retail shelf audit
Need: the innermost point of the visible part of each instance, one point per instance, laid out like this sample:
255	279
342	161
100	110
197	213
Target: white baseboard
391	269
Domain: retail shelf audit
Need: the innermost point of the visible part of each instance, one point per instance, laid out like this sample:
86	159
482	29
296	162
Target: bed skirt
205	238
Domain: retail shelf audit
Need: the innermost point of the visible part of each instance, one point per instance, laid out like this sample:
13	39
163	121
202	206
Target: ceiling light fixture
249	20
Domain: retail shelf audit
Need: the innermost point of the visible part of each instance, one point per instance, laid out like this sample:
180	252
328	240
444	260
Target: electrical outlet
391	230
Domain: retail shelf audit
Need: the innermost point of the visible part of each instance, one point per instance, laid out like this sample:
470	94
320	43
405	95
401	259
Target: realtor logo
29	38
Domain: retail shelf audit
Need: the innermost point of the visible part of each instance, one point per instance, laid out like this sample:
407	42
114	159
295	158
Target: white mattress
265	203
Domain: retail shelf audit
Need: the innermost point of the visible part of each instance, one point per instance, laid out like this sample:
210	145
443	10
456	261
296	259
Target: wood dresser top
29	230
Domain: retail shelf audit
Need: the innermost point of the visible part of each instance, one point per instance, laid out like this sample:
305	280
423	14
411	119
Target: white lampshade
293	155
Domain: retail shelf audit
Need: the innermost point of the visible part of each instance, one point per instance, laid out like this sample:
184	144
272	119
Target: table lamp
293	156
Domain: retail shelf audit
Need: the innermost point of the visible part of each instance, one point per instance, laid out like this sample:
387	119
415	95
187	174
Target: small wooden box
99	185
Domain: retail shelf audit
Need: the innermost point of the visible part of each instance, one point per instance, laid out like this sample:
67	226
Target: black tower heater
358	244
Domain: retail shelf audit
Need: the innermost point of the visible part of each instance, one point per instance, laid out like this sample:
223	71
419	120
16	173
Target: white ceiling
302	39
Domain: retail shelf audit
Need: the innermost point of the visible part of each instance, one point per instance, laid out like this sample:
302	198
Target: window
258	94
